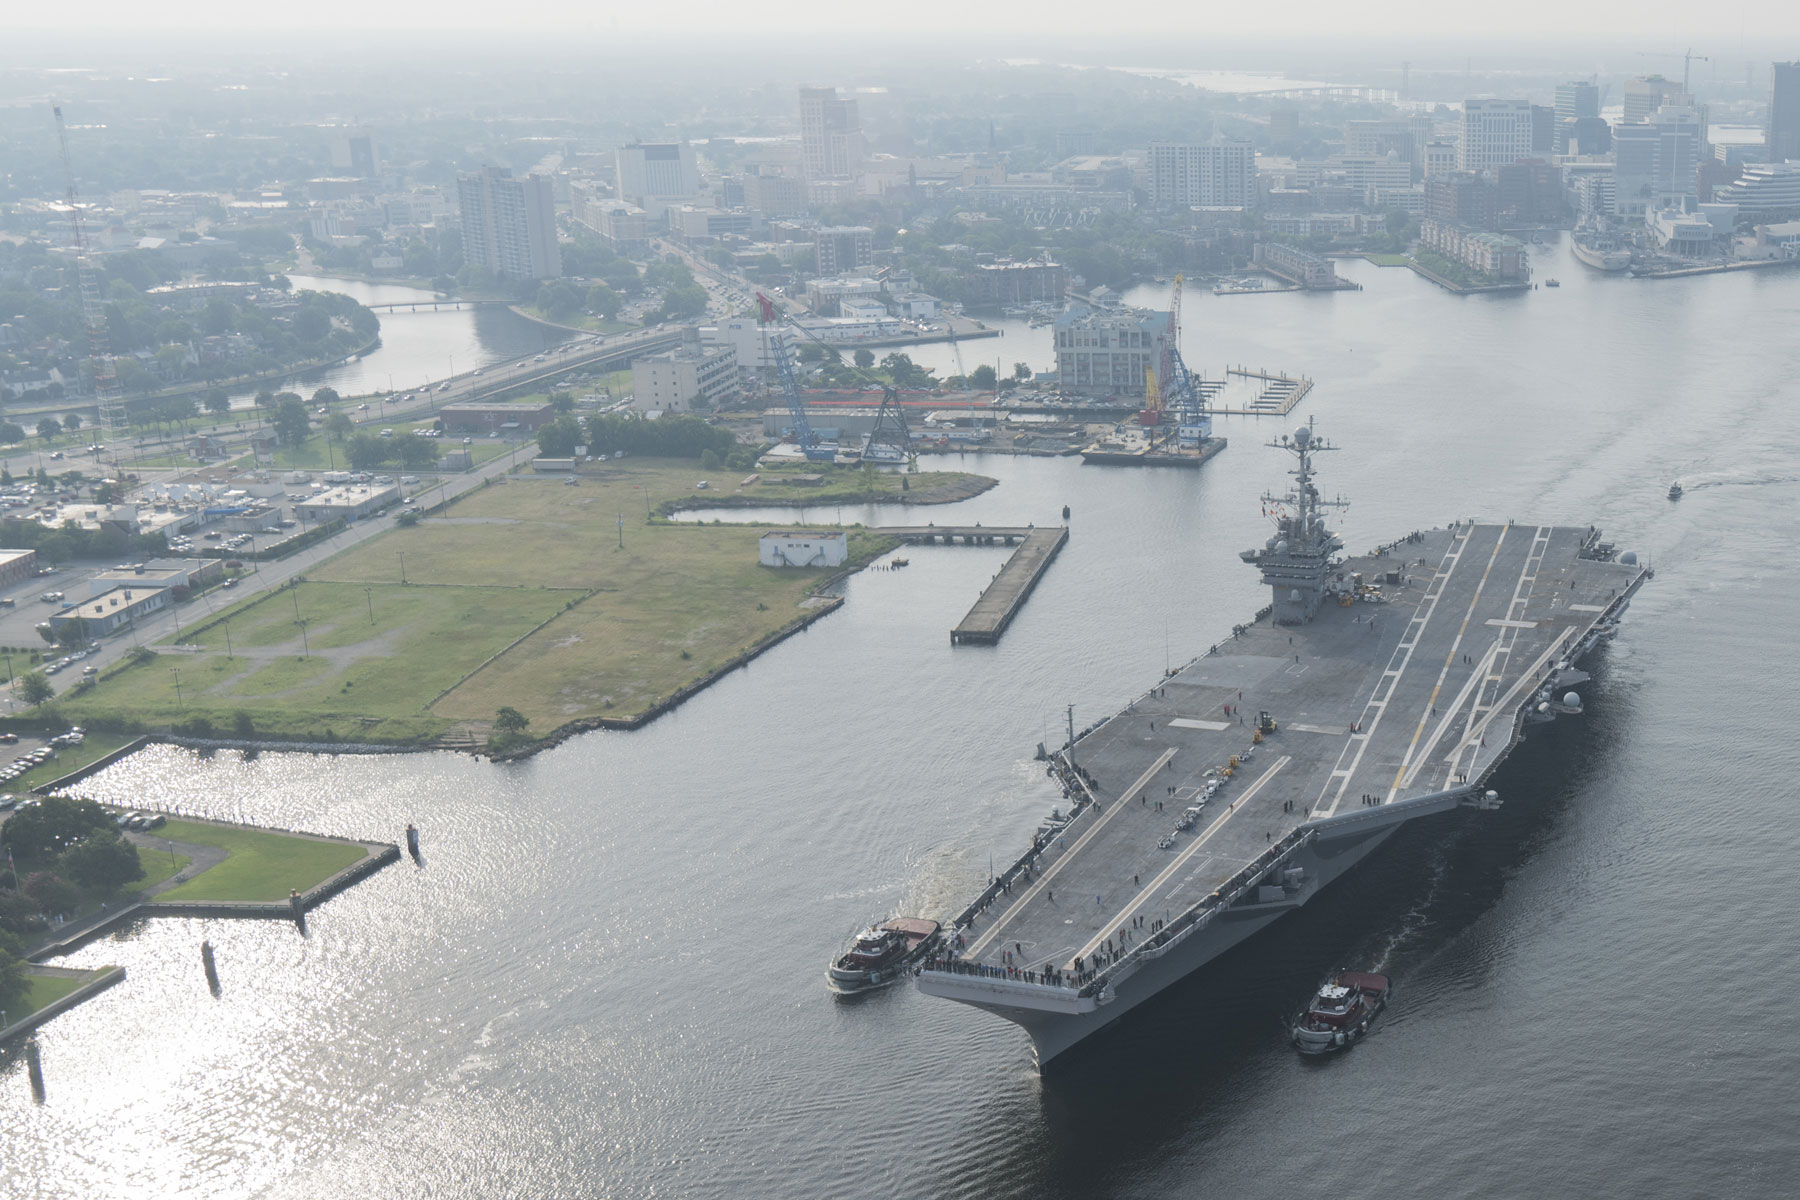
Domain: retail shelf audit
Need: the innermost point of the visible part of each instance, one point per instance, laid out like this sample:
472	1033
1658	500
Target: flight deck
1372	690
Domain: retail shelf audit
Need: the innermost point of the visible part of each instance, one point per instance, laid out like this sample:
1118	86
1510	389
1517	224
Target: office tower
1783	138
1494	132
830	134
1219	172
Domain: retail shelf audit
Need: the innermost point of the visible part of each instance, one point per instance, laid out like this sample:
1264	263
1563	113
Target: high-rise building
1783	139
1680	132
841	248
1439	159
1543	129
1634	169
1494	132
1585	136
1646	94
657	171
831	142
1103	352
509	224
356	153
1222	171
1577	98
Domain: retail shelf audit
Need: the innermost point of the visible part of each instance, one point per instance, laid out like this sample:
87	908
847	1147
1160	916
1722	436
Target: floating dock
1277	396
1002	599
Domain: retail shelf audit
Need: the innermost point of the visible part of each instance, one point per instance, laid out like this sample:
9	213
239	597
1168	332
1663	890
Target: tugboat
1346	1004
881	954
1675	491
1552	283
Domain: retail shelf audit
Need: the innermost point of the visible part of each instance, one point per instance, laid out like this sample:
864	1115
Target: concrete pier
1003	598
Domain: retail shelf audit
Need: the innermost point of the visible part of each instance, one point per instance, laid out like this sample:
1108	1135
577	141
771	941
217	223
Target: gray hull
1054	1033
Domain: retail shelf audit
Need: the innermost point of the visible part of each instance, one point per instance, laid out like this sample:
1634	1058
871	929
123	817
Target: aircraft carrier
1372	690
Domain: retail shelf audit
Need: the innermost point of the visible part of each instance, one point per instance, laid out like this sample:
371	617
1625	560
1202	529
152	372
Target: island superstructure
1370	691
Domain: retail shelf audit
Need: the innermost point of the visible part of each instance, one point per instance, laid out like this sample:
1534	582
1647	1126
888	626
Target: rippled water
606	979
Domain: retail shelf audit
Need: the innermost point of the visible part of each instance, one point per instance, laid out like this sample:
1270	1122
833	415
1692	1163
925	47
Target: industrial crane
1172	388
108	396
889	441
1687	64
800	428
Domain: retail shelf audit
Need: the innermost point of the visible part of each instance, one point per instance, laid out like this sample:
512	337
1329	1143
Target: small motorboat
1341	1012
882	953
1552	283
900	562
1674	491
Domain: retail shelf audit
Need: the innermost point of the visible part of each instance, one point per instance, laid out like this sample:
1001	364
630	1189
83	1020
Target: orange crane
1158	380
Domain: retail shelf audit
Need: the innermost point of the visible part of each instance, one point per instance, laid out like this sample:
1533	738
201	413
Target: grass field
259	865
366	663
43	990
518	595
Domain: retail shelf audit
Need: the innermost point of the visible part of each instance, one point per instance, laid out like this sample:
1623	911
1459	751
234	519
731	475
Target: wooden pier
1002	599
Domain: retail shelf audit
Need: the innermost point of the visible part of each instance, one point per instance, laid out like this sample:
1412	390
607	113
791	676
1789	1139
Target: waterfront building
842	248
802	548
651	171
1530	192
1295	265
1016	283
1222	171
1463	198
509	224
1681	131
1765	193
1675	232
1495	255
1634	169
1494	132
1646	94
824	296
831	141
1106	352
682	380
1783	137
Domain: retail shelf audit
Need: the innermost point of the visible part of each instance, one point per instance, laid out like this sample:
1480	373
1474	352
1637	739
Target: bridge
435	305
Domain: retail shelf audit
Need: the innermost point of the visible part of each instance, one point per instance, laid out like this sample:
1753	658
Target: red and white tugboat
881	954
1346	1005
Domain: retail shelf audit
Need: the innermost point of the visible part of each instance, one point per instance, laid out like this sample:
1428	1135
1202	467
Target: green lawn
1387	260
44	990
259	865
157	864
324	678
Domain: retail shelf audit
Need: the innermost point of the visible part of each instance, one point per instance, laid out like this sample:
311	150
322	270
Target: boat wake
1735	479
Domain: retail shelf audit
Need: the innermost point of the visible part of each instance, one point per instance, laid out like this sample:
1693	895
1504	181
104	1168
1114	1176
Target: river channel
606	980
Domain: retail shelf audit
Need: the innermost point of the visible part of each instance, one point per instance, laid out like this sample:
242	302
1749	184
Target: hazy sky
1658	23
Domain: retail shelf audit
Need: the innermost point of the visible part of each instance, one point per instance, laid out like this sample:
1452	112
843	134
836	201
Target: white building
1222	171
351	502
750	341
803	548
657	171
685	379
1494	133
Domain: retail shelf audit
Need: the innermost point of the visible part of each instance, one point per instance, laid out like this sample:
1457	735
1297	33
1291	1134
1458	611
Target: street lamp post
369	595
402	568
176	671
621	531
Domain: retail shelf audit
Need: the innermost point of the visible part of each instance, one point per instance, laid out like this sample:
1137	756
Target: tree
242	723
49	427
559	438
74	632
14	984
34	686
11	431
562	402
416	452
51	893
101	861
983	378
311	323
291	423
57	821
366	451
339	426
603	301
217	401
558	300
510	720
1021	371
865	358
325	397
72	422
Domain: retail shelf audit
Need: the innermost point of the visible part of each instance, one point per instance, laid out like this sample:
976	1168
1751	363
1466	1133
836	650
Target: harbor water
607	977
